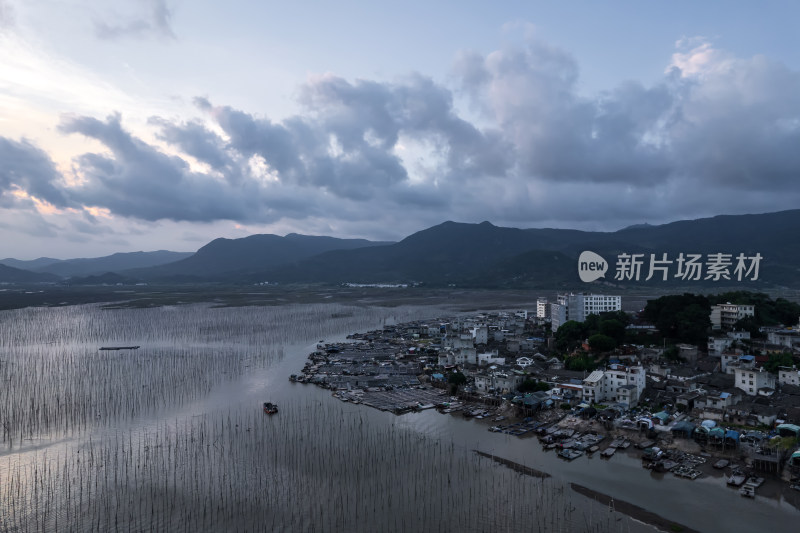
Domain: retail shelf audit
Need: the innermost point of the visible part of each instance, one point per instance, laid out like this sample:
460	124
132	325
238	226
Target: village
685	409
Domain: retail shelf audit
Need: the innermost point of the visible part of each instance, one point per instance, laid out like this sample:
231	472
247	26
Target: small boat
736	478
608	452
722	463
270	408
569	455
748	490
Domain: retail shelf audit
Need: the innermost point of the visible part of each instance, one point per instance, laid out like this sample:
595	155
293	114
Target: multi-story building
751	380
578	306
541	307
724	316
618	383
788	375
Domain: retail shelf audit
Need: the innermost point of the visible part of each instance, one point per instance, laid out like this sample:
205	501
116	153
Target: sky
140	125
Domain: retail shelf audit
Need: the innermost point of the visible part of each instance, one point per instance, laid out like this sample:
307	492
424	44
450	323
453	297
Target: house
524	361
687	352
491	358
607	385
718	344
788	375
784	337
751	380
724	316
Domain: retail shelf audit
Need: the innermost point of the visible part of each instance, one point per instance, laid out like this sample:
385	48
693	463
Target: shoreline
516	467
634	511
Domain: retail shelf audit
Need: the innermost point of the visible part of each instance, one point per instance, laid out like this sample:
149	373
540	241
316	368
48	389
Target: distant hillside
490	256
224	258
15	275
32	265
97	265
483	255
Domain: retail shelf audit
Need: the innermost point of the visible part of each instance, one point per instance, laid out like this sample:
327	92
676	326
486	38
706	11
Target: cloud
26	168
156	23
141	181
717	134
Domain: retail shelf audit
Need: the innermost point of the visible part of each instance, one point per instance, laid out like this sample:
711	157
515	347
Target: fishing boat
270	408
569	455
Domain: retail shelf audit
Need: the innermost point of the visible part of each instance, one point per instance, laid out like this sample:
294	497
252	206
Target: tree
777	360
601	343
456	379
569	335
581	362
693	323
532	385
614	329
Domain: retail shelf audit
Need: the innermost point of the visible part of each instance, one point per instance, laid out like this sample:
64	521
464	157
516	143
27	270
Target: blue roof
747	358
724	395
438	376
731	434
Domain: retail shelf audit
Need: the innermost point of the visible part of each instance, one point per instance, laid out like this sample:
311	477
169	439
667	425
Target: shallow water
172	437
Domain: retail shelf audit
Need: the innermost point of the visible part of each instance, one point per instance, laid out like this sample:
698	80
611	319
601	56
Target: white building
480	334
497	381
751	380
578	306
788	376
491	358
618	383
785	337
726	315
541	307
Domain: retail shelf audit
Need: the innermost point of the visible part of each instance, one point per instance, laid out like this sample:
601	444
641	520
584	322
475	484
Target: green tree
581	362
693	323
614	329
570	335
777	360
601	343
456	379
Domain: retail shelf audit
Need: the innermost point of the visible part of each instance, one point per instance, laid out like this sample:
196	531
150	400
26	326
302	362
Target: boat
736	478
722	463
608	452
570	454
748	491
270	408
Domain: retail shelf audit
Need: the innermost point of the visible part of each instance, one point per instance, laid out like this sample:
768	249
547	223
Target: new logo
591	266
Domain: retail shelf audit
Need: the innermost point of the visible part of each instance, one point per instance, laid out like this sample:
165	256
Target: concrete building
541	308
578	306
788	375
481	334
618	383
751	380
724	316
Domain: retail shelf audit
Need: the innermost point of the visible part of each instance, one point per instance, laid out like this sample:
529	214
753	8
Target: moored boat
270	408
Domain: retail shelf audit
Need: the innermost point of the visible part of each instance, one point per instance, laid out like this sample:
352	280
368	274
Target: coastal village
727	404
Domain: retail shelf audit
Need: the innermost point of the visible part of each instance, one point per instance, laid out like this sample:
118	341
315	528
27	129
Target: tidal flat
171	436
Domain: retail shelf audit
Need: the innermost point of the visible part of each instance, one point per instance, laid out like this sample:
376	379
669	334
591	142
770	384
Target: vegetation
532	385
456	379
777	360
768	312
684	318
581	362
601	343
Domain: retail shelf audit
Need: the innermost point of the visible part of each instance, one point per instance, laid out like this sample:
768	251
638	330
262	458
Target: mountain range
453	254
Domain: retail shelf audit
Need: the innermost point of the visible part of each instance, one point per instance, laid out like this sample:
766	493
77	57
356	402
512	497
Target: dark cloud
27	168
156	23
716	135
142	182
